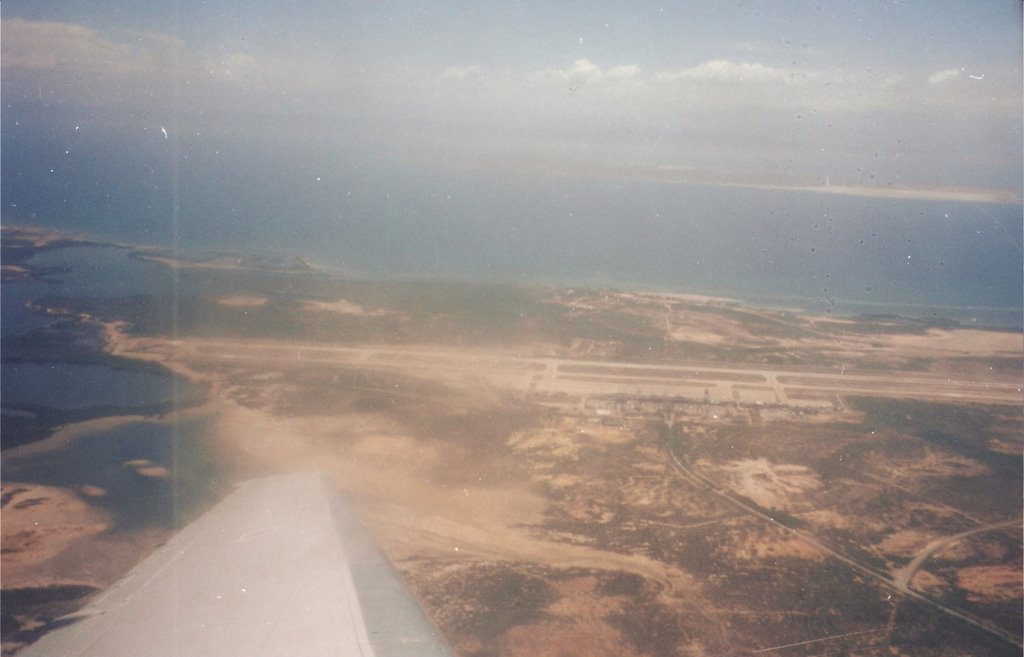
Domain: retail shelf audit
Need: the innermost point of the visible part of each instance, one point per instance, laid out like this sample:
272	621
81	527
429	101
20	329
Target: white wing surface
278	568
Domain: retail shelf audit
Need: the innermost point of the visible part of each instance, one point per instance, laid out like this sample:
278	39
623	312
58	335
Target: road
707	484
907	574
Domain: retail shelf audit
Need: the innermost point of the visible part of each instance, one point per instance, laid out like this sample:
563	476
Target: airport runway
549	378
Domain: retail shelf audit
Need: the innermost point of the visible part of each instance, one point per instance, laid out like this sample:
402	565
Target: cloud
784	47
706	115
63	63
722	70
460	72
72	64
628	72
584	71
943	76
235	65
48	46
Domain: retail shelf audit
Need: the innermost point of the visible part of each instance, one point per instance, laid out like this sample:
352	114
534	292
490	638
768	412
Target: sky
864	98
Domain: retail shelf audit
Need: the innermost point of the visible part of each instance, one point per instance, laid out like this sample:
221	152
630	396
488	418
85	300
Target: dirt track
907	574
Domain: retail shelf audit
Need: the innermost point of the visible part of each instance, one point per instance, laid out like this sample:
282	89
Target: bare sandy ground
906	543
766	547
688	298
771	485
38	237
932	463
242	301
965	342
156	350
986	584
934	343
179	264
344	307
423	499
146	468
702	320
391	475
39	523
571	630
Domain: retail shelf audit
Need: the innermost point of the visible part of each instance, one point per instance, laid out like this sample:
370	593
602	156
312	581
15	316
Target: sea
817	252
351	205
149	471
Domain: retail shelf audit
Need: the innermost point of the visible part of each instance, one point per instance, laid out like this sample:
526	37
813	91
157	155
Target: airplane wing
279	567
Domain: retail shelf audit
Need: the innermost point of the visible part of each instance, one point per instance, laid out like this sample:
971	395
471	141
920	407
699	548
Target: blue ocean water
187	477
105	271
70	386
824	253
82	271
351	208
181	477
77	271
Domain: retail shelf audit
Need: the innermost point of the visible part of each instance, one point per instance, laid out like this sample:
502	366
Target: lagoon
75	387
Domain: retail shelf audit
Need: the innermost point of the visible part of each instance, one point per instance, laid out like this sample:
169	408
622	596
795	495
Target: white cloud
584	71
785	47
49	46
628	72
460	72
235	65
722	70
582	99
943	76
67	63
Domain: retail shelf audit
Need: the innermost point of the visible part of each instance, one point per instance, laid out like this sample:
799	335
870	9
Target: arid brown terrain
590	473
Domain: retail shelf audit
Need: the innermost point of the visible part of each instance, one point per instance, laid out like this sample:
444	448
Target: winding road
907	574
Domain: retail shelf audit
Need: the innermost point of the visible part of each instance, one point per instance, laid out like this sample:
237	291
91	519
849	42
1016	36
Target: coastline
984	317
